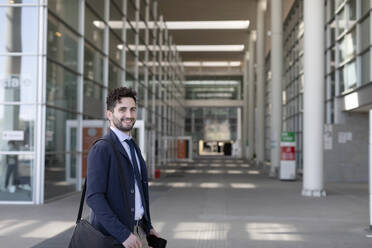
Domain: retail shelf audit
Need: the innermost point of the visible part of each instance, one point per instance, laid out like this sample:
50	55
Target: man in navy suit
129	222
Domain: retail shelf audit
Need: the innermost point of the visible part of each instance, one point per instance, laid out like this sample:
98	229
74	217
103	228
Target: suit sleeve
97	181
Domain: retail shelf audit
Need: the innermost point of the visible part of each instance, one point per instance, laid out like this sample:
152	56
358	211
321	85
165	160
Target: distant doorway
216	148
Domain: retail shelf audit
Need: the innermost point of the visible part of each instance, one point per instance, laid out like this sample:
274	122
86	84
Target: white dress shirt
139	210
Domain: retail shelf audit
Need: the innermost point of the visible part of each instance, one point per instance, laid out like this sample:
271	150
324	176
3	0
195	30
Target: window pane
94	29
350	40
18	78
18	29
67	10
130	61
365	31
366	68
342	50
341	22
129	82
115	52
98	6
93	64
341	80
366	5
17	127
131	11
16	177
62	44
352	12
351	75
58	124
56	183
61	87
114	76
93	99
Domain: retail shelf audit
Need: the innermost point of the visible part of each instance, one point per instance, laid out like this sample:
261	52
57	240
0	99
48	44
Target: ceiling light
191	48
99	24
211	63
186	25
210	48
219	82
189	25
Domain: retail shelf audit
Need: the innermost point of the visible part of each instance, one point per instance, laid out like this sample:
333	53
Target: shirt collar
121	135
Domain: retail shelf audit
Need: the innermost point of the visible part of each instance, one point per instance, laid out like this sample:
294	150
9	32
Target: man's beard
118	124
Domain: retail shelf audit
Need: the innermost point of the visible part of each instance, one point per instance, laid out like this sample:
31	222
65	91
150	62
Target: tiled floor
216	203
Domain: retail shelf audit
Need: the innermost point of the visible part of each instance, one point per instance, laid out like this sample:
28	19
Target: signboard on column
288	156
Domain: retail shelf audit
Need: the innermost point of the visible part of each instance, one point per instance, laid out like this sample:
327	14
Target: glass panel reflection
61	87
68	10
62	44
17	127
18	76
94	28
58	130
114	76
16	177
93	64
57	181
93	99
19	29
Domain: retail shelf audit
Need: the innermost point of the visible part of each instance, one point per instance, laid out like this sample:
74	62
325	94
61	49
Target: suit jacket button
132	191
132	209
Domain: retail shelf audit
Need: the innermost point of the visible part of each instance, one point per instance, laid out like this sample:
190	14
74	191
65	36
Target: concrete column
276	82
251	82
245	107
260	142
314	59
370	169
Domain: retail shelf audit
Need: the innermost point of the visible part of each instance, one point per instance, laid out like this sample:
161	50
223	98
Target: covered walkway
216	203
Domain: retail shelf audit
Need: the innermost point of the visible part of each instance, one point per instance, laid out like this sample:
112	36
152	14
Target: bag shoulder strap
120	175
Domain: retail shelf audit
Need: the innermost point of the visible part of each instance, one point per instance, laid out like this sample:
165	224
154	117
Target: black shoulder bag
85	235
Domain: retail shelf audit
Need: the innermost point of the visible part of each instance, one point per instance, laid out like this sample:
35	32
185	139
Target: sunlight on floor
201	231
272	231
253	172
16	227
211	185
243	185
49	229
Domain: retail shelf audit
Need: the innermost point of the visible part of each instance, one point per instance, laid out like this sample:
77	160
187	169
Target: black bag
85	235
156	242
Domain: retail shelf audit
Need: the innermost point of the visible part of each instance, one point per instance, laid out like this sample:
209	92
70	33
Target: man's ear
109	114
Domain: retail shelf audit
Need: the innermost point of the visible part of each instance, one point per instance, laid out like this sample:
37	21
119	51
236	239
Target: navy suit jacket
110	212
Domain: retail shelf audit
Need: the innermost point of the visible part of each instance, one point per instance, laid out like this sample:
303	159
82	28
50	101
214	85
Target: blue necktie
130	142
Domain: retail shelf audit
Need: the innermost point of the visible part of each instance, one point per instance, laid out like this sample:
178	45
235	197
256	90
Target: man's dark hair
115	95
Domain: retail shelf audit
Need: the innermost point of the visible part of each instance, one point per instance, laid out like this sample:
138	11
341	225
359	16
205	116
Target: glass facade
19	78
50	115
348	59
293	83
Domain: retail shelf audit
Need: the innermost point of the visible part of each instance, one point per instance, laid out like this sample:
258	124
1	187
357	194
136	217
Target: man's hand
132	242
153	232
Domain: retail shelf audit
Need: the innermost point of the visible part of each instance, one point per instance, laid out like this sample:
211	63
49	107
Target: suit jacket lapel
118	145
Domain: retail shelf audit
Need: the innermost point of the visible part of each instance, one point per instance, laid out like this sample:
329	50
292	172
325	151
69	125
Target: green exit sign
287	137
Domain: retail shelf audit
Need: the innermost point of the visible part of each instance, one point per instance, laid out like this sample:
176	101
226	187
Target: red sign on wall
288	153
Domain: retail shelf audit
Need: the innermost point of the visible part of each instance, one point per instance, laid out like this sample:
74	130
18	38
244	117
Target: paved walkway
216	203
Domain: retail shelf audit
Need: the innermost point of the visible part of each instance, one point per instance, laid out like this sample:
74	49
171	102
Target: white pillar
251	82
313	178
276	82
261	9
245	107
370	169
